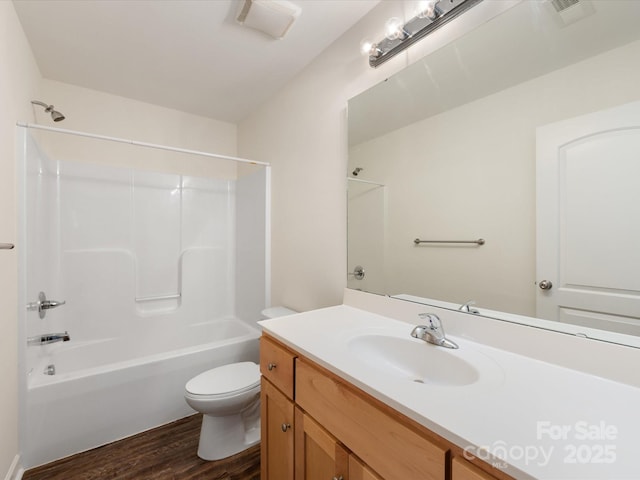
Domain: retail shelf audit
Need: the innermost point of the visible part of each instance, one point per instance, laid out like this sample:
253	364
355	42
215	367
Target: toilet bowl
229	399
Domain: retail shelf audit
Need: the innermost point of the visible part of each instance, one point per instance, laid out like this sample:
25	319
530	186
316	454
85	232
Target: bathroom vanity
344	396
321	426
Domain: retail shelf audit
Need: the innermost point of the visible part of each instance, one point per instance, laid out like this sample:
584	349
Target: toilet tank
273	312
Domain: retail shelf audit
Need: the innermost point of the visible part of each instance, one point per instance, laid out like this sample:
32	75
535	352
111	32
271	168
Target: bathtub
106	390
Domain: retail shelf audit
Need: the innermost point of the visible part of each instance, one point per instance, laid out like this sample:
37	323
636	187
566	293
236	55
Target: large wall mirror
524	134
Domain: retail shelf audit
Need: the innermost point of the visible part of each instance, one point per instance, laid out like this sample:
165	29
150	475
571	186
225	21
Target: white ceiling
190	55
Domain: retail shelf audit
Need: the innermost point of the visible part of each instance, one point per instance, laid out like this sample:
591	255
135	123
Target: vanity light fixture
430	15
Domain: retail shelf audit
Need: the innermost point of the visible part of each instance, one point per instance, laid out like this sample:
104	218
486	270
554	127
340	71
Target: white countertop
544	421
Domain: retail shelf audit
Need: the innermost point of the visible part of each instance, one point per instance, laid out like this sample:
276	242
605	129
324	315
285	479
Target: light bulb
394	28
428	9
367	47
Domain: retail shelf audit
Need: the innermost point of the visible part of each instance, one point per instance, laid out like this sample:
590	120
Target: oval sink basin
414	360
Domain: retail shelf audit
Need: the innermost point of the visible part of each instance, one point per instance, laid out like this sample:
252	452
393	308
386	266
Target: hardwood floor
164	453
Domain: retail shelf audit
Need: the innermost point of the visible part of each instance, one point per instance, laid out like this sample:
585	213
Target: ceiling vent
566	12
561	5
273	17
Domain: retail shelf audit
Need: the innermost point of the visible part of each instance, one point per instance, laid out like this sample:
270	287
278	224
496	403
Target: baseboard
15	470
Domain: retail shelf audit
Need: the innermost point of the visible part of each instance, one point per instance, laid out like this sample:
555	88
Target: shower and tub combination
134	280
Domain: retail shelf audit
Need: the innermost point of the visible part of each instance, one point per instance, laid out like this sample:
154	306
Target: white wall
483	171
251	268
111	115
302	132
19	82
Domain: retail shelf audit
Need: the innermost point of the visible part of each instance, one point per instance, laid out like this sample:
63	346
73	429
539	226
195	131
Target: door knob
285	426
545	285
271	366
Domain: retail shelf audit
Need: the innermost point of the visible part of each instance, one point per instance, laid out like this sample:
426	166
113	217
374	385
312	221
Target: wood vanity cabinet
277	365
372	431
461	469
318	455
359	471
277	419
317	426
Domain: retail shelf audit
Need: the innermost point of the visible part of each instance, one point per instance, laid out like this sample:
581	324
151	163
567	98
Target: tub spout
47	338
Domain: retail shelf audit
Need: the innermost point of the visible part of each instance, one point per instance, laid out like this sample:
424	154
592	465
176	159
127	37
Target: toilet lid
225	379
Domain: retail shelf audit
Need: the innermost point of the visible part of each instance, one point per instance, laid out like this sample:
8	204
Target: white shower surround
155	288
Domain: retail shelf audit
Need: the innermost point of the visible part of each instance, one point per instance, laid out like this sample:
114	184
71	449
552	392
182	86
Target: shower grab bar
479	241
158	297
141	144
6	246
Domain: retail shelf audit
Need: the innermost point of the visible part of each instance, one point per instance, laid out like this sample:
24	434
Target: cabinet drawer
276	364
379	438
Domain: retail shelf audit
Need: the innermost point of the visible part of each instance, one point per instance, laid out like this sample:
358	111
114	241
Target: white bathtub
107	390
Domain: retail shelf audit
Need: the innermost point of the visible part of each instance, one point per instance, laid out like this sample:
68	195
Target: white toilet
229	399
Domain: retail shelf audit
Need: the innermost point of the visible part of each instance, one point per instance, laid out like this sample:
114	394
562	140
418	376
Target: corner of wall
19	84
15	470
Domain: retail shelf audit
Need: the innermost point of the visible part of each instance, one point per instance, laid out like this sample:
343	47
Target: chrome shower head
55	115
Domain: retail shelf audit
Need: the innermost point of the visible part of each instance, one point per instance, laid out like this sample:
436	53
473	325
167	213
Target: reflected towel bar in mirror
6	246
480	241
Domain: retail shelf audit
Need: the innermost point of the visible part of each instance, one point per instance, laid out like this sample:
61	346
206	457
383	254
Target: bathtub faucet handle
42	305
51	304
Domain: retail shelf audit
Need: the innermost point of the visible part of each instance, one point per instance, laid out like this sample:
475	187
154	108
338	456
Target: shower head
55	115
356	171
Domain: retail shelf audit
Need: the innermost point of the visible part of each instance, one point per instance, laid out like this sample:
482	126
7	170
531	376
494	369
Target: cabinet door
277	422
319	456
463	470
359	471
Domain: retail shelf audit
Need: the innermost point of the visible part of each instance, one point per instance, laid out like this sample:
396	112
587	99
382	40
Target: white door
588	220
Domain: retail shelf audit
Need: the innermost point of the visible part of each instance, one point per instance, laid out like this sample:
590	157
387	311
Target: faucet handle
433	332
468	307
433	319
42	305
419	331
47	304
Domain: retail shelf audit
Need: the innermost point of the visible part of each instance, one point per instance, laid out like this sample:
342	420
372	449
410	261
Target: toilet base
222	437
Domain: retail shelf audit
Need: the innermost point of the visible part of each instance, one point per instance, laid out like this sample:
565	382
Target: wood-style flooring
164	453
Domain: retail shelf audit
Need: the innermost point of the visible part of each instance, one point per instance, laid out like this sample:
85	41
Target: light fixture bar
440	13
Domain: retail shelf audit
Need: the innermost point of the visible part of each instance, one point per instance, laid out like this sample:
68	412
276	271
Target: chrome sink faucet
469	308
433	332
47	338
